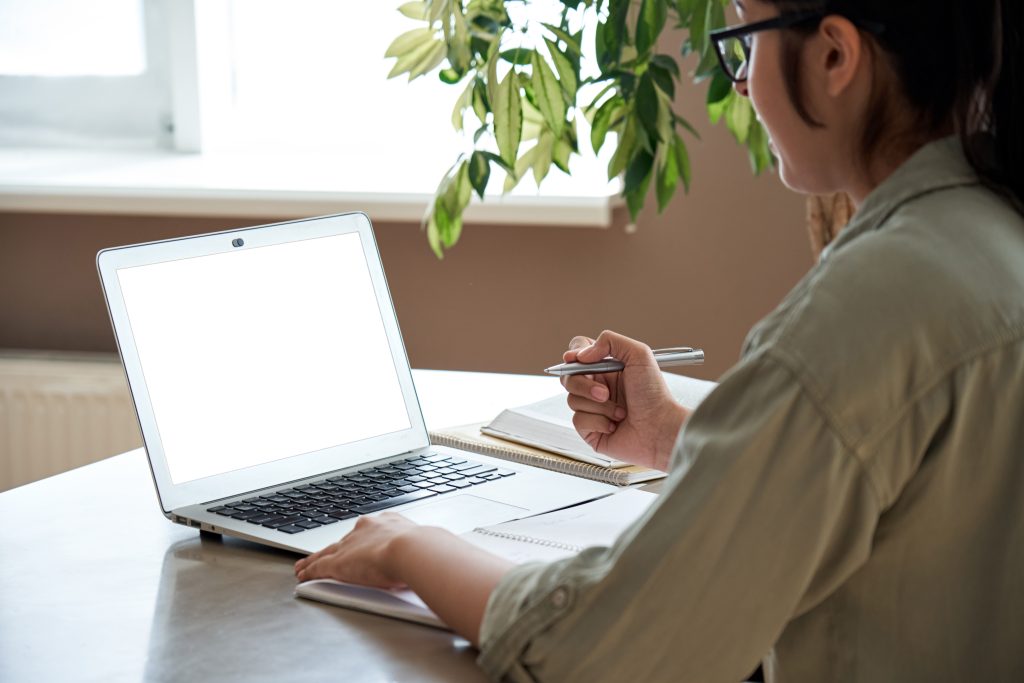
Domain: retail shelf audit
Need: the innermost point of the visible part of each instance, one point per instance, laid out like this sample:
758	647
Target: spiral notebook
541	434
543	538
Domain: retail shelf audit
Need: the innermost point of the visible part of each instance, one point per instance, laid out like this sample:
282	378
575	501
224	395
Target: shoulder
898	306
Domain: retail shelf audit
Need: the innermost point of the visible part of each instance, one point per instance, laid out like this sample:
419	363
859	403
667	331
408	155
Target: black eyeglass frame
785	20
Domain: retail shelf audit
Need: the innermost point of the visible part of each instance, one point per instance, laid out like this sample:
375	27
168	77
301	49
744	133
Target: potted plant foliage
524	80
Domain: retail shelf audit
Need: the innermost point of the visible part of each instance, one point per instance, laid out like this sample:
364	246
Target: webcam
237	242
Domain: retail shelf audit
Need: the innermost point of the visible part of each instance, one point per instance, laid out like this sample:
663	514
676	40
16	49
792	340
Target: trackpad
463	513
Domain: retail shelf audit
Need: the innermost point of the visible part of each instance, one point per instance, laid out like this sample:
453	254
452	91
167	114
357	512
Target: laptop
274	393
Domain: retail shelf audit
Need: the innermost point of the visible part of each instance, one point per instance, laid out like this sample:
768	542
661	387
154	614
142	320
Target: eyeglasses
733	44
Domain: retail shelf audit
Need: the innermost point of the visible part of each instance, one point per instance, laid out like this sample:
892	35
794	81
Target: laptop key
460	484
263	519
282	521
443	488
247	514
291	529
342	514
308	524
325	520
392	502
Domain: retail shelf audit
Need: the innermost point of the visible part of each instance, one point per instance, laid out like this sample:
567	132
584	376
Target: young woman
848	505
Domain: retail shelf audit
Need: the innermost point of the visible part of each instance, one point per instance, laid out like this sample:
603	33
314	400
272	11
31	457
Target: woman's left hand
362	556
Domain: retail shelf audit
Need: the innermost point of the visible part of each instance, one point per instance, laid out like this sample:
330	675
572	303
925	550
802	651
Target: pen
666	358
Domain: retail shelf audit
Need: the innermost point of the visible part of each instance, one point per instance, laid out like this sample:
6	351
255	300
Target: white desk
95	585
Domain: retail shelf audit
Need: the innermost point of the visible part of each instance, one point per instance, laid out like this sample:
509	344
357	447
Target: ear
842	53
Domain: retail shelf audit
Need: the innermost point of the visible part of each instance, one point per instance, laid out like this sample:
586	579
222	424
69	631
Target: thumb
625	349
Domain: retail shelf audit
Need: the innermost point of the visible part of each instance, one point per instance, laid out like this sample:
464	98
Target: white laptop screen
261	354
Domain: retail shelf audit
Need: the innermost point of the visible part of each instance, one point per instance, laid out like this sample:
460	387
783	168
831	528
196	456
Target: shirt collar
939	165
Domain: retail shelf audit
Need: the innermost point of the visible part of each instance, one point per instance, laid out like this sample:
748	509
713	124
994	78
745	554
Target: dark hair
960	64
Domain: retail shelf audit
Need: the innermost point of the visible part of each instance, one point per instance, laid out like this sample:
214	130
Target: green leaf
560	155
717	110
549	95
624	150
533	120
519	56
508	117
566	71
434	234
414	10
707	66
602	120
663	79
640	171
450	76
668	176
667	63
666	129
479	172
720	88
738	116
492	81
699	24
682	160
410	60
543	157
490	156
571	43
409	41
653	14
481	105
429	61
647	106
460	106
523	164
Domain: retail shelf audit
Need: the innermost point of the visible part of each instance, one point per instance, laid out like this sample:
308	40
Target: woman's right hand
629	415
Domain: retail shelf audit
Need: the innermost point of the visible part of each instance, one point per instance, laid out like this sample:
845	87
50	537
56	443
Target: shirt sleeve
764	513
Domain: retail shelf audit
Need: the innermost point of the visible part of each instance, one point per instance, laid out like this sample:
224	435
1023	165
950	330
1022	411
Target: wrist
675	416
401	552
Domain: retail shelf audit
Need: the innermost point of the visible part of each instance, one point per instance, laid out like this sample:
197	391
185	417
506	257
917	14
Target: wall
508	298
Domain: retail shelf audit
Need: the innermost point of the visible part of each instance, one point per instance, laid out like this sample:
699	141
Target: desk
96	585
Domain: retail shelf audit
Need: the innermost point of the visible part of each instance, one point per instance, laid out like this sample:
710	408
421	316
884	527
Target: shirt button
560	598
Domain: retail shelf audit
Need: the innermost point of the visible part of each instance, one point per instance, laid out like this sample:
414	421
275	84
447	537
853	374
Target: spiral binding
579	469
530	539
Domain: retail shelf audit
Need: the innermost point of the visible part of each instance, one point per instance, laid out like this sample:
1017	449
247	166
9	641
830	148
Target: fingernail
611	427
620	413
600	393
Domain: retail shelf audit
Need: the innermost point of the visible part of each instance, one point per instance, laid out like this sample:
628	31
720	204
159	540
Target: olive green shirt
848	504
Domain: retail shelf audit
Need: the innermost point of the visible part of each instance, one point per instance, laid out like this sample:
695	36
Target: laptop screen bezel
215	487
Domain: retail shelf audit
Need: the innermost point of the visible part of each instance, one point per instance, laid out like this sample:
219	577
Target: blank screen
261	354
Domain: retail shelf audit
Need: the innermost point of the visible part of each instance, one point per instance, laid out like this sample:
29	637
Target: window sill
270	186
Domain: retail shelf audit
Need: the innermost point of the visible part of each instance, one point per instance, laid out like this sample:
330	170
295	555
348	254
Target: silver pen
666	358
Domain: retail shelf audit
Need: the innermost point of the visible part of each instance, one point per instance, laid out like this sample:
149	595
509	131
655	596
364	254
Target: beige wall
508	298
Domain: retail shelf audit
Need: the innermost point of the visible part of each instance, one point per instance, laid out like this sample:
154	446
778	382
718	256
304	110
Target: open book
542	434
547	537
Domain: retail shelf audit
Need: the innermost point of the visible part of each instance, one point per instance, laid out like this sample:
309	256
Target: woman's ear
841	54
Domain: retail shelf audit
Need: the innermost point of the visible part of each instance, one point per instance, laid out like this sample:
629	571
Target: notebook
543	538
542	434
274	393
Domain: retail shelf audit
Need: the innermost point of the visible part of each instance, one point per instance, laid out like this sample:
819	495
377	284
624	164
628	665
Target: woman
847	505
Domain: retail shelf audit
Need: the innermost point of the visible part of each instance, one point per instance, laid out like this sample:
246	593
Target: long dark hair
960	64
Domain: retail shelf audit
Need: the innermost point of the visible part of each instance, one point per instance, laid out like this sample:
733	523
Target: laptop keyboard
318	503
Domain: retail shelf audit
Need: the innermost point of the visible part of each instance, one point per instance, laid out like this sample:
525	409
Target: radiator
58	412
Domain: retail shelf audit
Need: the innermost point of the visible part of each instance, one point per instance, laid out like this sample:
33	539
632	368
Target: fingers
608	343
585	386
609	409
588	424
575	344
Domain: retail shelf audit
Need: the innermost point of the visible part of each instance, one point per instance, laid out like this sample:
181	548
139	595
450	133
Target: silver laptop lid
261	356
